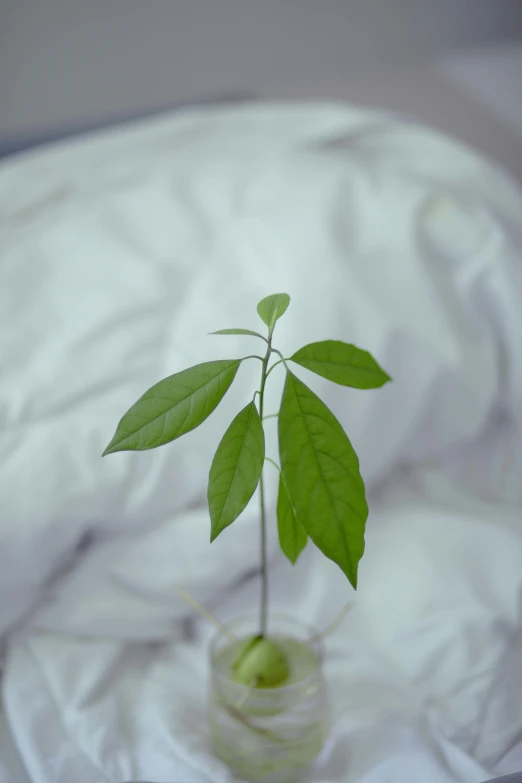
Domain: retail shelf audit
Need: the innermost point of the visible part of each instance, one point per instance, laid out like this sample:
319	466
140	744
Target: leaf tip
385	378
352	577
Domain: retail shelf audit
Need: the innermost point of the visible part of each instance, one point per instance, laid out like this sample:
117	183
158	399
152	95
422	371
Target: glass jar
270	735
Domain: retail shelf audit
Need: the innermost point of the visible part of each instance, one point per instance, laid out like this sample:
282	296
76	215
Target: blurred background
68	64
103	276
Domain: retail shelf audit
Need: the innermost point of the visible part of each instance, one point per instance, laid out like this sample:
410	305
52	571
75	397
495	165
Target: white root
334	625
205	613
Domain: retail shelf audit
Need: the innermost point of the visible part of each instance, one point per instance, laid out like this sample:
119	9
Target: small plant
321	493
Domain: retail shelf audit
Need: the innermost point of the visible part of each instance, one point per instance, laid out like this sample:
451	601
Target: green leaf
240	331
321	474
273	307
292	535
236	469
342	363
174	406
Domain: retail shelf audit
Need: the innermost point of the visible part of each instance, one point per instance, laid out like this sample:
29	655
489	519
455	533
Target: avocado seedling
321	495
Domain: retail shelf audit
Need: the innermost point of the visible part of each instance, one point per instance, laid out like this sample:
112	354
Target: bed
476	98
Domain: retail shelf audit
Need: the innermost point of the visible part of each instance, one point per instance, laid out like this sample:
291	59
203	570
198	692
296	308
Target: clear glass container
270	735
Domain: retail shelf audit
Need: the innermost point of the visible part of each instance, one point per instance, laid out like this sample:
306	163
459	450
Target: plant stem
264	569
264	573
280	361
274	463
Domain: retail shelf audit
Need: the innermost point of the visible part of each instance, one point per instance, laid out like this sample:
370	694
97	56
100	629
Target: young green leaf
236	469
174	406
240	331
273	307
292	536
342	363
321	474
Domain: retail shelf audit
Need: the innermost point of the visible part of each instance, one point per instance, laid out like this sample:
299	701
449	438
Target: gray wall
66	62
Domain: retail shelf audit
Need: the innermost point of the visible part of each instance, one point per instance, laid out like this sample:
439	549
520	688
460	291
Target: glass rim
313	640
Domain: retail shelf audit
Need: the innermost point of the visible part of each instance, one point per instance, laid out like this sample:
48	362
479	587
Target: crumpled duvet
119	254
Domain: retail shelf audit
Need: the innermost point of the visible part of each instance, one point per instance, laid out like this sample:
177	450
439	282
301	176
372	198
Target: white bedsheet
11	766
115	255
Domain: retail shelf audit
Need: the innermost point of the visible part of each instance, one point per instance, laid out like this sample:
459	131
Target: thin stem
280	361
271	416
264	569
253	356
264	573
274	463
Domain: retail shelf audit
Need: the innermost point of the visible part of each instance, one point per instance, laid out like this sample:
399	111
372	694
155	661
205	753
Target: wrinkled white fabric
119	254
11	766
